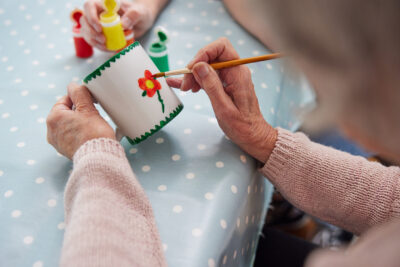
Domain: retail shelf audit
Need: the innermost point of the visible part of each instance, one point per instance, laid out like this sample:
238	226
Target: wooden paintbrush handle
236	62
222	65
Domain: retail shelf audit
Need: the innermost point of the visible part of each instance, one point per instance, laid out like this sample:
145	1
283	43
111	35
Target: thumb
130	18
209	80
81	97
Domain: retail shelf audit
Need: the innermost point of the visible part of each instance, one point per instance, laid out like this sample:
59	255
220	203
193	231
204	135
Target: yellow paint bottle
112	27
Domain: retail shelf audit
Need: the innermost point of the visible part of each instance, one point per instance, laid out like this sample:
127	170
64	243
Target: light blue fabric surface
208	198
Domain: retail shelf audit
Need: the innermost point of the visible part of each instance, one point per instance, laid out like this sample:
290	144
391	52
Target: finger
174	82
64	103
188	82
196	88
90	35
101	47
124	6
239	86
131	17
90	32
86	31
220	50
81	98
208	79
92	10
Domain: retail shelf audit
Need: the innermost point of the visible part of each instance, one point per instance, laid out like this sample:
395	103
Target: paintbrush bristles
159	75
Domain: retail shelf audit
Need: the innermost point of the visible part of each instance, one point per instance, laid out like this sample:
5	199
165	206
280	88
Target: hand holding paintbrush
232	96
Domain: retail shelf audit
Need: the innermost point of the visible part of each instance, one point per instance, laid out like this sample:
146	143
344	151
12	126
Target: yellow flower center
149	84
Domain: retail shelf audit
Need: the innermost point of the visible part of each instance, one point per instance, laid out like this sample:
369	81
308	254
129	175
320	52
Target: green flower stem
161	101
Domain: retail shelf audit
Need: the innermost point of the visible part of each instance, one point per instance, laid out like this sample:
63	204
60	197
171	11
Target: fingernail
202	71
126	22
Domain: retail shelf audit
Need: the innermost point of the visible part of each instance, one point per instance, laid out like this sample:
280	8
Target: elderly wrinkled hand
68	128
135	16
232	95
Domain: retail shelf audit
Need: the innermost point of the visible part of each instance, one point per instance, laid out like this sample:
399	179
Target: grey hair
355	45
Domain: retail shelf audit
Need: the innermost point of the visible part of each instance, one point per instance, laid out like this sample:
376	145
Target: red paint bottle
82	48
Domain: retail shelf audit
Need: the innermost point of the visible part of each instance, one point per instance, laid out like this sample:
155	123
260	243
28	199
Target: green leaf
144	93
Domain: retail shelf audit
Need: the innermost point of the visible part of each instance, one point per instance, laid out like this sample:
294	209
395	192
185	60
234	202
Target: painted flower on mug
148	84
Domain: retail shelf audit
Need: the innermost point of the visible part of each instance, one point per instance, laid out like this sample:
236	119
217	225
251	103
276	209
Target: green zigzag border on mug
107	64
162	123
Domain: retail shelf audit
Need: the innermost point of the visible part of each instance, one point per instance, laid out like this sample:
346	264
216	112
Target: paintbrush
221	65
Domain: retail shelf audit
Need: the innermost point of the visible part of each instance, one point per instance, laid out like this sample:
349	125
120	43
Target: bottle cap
111	8
162	34
158	51
75	17
159	46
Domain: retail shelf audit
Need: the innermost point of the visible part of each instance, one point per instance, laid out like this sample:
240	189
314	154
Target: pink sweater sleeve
109	220
337	187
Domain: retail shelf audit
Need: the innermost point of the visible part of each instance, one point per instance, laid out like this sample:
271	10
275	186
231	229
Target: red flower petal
157	85
143	86
142	83
151	92
148	74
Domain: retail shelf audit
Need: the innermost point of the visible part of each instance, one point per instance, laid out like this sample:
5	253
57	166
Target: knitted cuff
396	203
99	145
284	149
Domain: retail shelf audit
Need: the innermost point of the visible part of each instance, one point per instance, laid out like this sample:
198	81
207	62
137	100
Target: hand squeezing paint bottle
112	27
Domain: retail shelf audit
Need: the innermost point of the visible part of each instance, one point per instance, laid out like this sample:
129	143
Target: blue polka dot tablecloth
208	198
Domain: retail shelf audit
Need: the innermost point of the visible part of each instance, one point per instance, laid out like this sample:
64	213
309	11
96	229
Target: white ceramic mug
138	104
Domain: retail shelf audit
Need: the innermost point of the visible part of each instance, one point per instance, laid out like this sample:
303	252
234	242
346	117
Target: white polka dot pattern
176	157
223	224
162	187
197	232
209	196
61	226
146	168
190	175
28	240
177	209
51	203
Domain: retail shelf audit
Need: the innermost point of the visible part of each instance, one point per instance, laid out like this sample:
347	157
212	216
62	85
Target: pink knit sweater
345	190
109	220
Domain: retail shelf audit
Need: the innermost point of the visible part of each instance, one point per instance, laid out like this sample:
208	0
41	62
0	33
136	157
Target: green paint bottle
158	51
